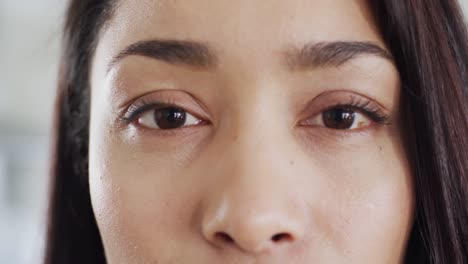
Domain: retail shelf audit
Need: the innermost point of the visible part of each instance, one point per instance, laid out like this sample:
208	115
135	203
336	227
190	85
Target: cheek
139	200
377	221
372	209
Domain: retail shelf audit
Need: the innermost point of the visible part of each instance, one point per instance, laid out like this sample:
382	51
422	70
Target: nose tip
253	235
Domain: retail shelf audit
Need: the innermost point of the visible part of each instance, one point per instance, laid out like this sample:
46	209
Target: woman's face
247	132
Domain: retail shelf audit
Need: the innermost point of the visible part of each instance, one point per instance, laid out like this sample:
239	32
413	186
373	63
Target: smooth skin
254	174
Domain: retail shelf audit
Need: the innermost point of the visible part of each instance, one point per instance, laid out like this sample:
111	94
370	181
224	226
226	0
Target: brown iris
170	117
338	118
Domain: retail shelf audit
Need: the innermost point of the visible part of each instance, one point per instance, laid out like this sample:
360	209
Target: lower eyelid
181	133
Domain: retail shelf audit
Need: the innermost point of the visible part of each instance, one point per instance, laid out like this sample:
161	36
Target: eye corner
121	122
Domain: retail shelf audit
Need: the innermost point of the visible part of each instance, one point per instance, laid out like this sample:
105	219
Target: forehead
254	26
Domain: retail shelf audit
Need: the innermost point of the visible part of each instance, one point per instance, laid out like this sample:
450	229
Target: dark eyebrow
200	55
324	54
189	53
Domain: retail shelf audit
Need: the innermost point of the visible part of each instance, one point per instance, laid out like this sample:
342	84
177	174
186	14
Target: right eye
167	118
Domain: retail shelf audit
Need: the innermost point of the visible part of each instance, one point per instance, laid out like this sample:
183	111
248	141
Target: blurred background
29	51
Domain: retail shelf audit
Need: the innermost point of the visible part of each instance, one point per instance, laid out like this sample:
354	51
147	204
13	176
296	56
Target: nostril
224	237
281	237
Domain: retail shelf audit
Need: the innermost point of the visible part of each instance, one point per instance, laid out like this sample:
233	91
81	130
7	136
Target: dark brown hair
428	40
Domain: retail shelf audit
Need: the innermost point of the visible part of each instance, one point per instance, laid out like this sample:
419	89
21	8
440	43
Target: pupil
169	118
338	118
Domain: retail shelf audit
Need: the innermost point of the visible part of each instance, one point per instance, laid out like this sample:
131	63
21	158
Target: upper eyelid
170	100
356	97
356	106
137	110
353	100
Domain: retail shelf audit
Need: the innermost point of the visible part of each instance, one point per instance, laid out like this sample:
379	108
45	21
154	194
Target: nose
252	230
253	206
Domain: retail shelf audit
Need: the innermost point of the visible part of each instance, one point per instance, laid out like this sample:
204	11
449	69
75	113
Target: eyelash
132	113
365	106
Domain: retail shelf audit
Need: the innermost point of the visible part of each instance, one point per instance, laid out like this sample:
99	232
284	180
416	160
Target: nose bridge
253	206
254	165
257	136
257	108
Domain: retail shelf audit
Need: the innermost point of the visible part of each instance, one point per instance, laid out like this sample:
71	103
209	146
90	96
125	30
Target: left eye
167	118
340	118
